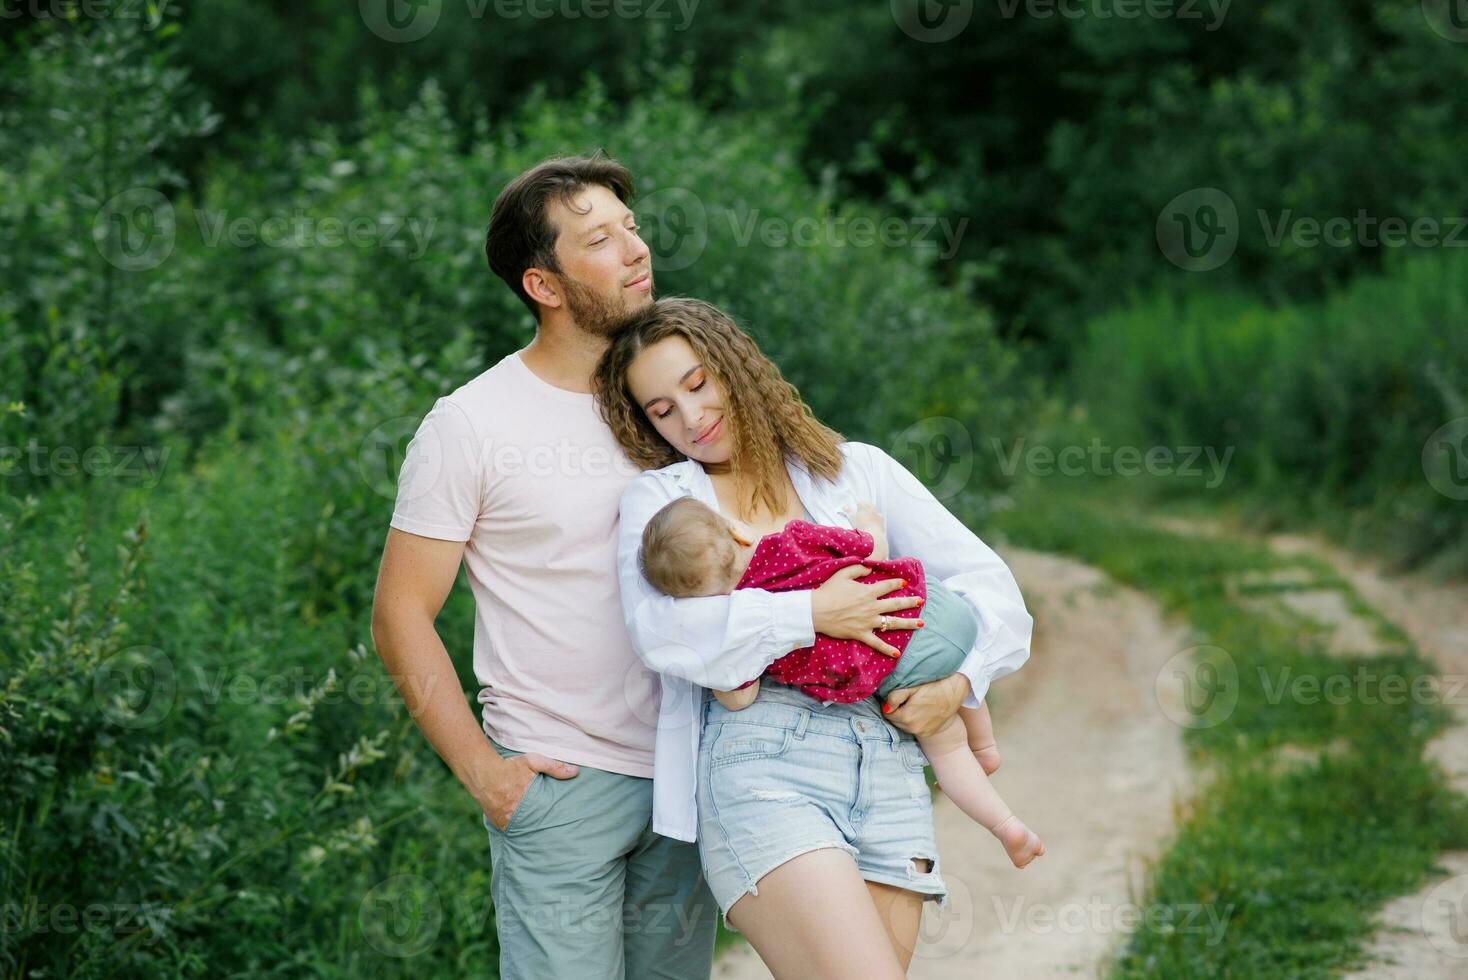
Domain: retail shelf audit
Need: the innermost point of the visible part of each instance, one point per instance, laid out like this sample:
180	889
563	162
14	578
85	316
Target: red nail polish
886	708
920	622
902	583
921	600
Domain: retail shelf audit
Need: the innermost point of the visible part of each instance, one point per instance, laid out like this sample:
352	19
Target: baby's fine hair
684	546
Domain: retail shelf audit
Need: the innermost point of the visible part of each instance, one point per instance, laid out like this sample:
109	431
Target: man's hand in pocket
508	784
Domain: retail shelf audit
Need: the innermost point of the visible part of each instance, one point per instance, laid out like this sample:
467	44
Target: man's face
606	268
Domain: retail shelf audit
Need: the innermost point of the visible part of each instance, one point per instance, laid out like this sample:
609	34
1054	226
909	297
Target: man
516	475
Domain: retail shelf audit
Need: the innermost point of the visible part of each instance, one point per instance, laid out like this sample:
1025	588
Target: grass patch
1291	859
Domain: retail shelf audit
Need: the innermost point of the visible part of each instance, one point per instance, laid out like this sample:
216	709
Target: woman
813	820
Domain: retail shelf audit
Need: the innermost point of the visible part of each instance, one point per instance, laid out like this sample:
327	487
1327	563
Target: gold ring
882	624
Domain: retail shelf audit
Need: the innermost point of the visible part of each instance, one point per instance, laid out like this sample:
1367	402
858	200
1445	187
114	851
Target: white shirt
720	642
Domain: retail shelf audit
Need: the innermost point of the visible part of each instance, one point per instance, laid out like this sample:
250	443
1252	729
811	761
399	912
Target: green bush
177	716
1328	405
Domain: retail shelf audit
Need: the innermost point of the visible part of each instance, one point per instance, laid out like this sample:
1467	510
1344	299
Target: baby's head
690	550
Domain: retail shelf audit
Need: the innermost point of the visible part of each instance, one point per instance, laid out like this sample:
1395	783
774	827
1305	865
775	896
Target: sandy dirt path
1091	761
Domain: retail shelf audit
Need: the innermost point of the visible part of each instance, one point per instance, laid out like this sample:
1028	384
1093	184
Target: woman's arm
716	641
920	526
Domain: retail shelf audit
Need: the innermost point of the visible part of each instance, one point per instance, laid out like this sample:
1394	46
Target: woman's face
682	400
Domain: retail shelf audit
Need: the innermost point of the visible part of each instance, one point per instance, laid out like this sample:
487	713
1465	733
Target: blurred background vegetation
205	390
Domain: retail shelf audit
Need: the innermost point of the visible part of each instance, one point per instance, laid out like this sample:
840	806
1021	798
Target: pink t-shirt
529	476
804	555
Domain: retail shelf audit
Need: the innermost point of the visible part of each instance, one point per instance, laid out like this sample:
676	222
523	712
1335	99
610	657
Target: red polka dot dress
804	555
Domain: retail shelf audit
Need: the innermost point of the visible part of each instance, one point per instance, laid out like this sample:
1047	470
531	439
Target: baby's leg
738	700
963	779
980	729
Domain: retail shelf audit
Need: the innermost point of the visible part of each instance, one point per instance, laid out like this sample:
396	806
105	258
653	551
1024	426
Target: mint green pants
583	888
939	647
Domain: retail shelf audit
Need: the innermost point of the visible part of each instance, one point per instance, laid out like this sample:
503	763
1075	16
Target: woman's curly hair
768	420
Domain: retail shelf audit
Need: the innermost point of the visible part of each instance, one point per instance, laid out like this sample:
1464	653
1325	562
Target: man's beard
593	312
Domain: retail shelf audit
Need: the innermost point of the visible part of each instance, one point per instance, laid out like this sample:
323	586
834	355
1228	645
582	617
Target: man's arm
412	584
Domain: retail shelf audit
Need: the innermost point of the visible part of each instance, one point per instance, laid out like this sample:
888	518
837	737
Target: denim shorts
788	774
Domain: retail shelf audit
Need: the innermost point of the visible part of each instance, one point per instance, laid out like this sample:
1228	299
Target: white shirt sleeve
718	642
920	526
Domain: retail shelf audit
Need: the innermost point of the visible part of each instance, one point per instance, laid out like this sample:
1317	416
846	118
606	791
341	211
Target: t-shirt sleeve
441	483
838	542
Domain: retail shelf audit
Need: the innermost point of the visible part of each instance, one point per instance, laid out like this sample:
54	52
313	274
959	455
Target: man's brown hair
521	236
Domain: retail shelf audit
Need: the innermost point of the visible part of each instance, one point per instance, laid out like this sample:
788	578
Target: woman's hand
923	710
845	609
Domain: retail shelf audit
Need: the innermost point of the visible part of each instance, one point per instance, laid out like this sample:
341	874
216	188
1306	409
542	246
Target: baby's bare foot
988	757
1020	841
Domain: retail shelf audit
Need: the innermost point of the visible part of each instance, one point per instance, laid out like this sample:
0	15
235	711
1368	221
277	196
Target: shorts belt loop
800	726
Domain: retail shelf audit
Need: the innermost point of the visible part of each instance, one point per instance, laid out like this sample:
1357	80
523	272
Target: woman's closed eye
669	411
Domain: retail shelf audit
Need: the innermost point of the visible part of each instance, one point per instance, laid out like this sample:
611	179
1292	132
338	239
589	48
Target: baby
688	549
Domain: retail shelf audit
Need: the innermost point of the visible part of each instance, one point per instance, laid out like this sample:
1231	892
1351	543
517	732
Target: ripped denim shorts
788	774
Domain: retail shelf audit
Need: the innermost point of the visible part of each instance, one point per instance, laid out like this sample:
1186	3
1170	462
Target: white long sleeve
718	642
920	526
